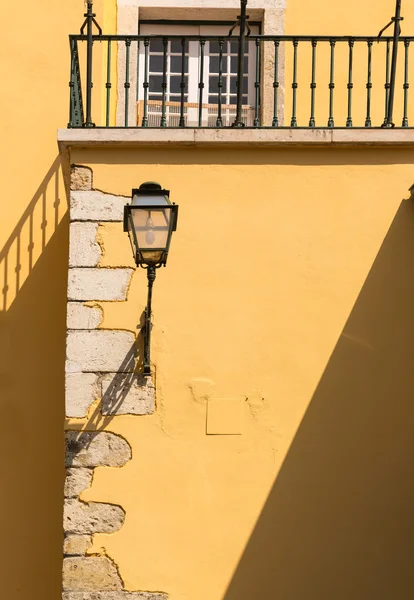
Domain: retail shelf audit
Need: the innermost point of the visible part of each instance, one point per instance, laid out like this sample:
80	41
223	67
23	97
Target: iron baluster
243	25
127	84
350	84
313	84
256	122
369	84
108	84
388	121
88	23
293	121
219	121
75	99
275	121
182	84
163	122
331	122
406	83
145	85
387	83
201	84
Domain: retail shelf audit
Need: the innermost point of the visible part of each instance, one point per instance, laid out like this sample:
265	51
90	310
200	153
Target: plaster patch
201	389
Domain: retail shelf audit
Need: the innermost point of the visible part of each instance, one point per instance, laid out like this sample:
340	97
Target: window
192	69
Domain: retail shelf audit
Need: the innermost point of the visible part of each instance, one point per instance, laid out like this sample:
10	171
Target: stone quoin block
100	351
89	573
84	250
127	394
76	545
77	480
94	517
96	206
114	596
81	390
96	449
98	284
80	316
80	178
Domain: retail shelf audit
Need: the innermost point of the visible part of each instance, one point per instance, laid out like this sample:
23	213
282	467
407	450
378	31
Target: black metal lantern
150	220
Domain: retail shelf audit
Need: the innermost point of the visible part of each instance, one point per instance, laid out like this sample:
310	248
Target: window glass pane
234	66
234	46
155	63
176	66
214	64
233	85
175	83
233	99
156	46
155	82
214	47
154	97
245	99
176	47
213	84
213	99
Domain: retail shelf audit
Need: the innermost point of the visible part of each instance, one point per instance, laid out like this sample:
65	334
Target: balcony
173	81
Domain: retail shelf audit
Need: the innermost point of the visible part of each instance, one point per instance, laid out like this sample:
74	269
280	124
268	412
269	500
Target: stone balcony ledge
120	137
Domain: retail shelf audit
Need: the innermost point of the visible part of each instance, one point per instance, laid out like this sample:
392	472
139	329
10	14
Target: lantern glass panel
152	227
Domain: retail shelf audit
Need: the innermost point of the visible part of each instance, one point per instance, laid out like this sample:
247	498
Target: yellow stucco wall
289	285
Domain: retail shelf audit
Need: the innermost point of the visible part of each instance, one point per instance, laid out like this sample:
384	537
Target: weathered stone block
94	517
81	390
90	573
114	596
80	316
77	480
127	394
84	250
96	206
96	449
100	351
98	284
80	178
76	545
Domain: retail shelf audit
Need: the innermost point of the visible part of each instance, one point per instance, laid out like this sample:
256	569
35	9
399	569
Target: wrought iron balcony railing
196	81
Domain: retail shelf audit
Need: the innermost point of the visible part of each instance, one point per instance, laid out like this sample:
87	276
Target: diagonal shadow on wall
33	267
339	521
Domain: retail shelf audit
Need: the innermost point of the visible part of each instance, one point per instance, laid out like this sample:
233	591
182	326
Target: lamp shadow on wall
338	523
118	389
33	271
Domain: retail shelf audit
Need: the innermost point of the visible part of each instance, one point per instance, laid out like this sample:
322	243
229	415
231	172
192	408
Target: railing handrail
264	38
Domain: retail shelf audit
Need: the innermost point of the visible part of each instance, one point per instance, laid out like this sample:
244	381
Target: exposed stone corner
92	449
90	573
81	177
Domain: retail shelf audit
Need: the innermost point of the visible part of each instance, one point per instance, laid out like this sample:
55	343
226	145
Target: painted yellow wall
289	285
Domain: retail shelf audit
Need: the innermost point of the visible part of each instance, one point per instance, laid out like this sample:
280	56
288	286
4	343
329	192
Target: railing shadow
338	522
33	271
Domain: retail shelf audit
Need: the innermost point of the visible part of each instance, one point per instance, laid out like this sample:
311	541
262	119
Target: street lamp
150	220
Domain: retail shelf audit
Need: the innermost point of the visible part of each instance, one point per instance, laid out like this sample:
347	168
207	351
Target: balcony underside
324	137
